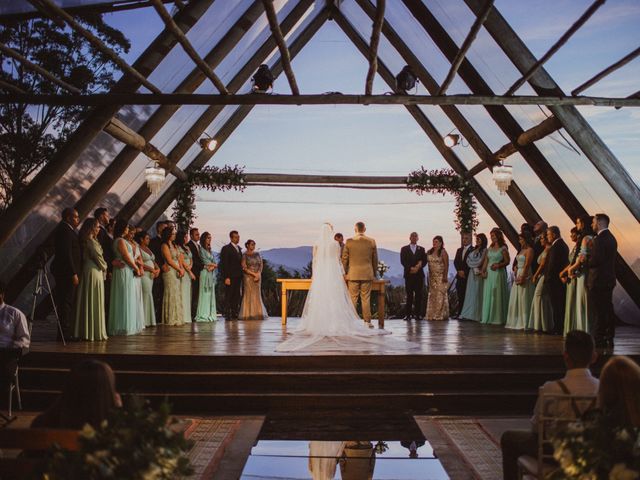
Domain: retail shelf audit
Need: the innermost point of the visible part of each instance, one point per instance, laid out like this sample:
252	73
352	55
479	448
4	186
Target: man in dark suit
413	259
67	267
554	287
155	245
230	269
196	268
601	280
462	270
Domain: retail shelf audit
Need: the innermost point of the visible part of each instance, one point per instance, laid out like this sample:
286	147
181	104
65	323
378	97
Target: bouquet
382	268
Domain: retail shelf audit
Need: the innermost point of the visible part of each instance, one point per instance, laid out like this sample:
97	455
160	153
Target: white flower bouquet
382	268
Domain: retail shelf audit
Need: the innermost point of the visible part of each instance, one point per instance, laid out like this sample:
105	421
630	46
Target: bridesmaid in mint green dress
570	314
541	319
90	319
151	271
472	307
207	290
172	272
579	270
495	294
123	307
186	258
522	289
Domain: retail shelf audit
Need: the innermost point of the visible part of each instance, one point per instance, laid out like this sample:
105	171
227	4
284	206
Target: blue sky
377	140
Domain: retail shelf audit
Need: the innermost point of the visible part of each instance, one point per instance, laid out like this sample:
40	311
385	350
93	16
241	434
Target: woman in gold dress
252	307
438	261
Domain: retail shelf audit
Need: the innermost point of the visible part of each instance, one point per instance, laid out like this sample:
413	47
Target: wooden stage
460	367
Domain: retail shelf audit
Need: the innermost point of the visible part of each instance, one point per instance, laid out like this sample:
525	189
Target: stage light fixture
451	140
406	80
262	80
208	143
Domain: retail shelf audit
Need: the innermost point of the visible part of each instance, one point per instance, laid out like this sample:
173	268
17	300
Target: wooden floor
260	338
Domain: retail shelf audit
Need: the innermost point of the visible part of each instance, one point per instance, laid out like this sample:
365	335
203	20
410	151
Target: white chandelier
154	175
502	176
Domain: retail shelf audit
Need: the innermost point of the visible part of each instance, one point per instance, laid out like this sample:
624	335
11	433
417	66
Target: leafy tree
30	135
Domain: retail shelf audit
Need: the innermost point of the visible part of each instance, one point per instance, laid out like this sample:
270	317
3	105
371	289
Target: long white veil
329	320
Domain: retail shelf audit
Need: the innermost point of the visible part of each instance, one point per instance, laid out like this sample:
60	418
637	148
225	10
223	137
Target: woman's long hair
499	237
437	237
482	246
203	241
86	229
89	395
619	392
119	228
166	235
584	232
528	239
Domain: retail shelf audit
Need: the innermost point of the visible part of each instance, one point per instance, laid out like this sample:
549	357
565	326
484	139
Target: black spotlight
406	80
262	79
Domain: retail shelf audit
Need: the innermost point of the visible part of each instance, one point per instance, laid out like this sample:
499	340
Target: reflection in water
323	459
358	461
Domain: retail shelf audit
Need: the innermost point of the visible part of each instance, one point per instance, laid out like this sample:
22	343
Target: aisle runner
211	436
475	446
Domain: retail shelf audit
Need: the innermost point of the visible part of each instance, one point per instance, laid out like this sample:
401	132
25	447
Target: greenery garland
209	178
447	181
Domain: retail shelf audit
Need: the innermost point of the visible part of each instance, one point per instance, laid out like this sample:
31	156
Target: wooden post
610	69
466	45
282	45
373	46
188	48
556	46
283	302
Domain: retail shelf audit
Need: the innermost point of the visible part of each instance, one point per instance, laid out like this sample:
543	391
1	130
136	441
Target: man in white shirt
579	354
14	330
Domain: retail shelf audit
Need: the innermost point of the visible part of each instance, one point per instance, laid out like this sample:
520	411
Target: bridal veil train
329	320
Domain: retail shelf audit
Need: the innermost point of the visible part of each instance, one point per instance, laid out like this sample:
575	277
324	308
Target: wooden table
305	284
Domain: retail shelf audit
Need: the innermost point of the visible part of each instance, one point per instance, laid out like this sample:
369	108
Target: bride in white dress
329	320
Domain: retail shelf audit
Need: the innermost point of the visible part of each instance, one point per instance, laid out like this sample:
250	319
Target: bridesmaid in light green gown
90	319
522	289
123	308
579	270
151	271
495	294
541	316
172	272
570	318
186	259
207	290
472	307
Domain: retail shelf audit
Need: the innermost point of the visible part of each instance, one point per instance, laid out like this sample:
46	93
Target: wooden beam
581	132
96	120
544	128
10	87
610	69
187	47
466	45
84	9
556	46
373	46
97	43
325	179
272	17
100	99
432	133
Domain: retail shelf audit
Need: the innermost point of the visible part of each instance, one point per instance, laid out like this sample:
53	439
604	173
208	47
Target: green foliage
447	181
135	442
209	178
30	135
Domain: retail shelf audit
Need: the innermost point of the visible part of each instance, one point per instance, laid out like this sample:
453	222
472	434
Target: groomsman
230	269
554	287
601	280
462	270
196	268
412	258
66	267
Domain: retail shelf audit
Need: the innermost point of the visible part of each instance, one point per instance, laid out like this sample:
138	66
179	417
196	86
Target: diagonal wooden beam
466	45
276	32
10	87
373	46
432	133
556	46
521	202
610	69
162	203
186	45
97	43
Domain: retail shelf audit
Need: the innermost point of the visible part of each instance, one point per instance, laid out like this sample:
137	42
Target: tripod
43	286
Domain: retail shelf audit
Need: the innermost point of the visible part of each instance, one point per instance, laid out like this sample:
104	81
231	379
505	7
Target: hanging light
451	140
406	80
154	175
502	176
208	143
262	80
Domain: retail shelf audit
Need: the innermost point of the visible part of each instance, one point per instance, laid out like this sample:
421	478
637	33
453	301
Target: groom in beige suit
360	261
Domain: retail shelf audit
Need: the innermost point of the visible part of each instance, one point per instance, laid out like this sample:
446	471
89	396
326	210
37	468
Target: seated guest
579	353
14	330
89	395
619	393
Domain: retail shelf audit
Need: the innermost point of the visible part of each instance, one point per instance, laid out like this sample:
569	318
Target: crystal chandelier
154	175
502	176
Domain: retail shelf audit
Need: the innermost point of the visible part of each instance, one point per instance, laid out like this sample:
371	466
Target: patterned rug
474	445
211	436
